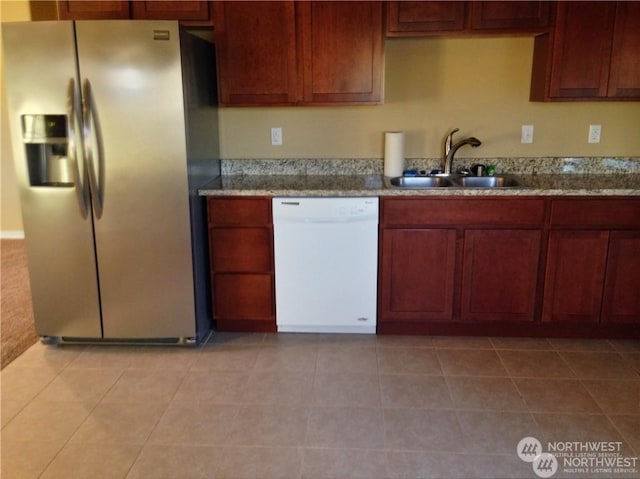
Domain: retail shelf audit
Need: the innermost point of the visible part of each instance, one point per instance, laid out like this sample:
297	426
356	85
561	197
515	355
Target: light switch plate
276	136
527	134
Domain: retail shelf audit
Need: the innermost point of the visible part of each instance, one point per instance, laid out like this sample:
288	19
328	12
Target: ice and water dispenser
46	141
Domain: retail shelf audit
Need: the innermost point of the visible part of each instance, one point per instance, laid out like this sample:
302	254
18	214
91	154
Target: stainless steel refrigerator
113	128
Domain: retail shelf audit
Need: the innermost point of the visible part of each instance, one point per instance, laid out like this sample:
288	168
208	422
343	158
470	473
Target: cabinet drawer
621	213
241	249
239	211
243	296
455	211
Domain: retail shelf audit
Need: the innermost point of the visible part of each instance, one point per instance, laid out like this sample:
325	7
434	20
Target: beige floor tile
499	394
269	425
626	345
46	421
287	358
145	385
343	464
291	339
95	461
235	339
470	362
55	358
495	432
119	423
580	428
26	460
347	340
81	385
165	357
541	344
433	430
633	359
171	462
105	356
579	344
10	409
194	424
408	361
346	389
23	384
462	342
345	427
217	357
414	390
251	462
421	465
535	364
556	395
347	359
393	341
629	427
598	365
286	388
218	387
615	396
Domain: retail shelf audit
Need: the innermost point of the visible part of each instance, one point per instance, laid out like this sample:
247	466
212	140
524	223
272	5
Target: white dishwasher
326	264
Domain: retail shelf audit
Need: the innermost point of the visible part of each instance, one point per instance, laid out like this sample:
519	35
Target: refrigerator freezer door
39	64
142	229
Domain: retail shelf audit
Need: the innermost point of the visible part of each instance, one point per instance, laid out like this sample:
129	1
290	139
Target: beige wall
480	85
10	214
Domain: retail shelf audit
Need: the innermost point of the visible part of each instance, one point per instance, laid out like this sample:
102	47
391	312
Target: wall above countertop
480	85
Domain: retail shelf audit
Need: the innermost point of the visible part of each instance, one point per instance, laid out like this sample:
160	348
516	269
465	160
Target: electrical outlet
276	136
594	133
527	134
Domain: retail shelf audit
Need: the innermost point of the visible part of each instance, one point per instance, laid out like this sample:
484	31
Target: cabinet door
499	15
256	49
574	278
624	79
417	274
93	10
342	55
171	10
582	49
500	274
424	18
621	302
241	249
244	296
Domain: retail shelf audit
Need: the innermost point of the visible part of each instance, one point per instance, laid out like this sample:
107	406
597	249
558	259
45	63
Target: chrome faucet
450	150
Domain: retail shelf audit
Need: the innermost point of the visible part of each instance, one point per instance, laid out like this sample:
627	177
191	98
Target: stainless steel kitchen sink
454	181
505	181
421	181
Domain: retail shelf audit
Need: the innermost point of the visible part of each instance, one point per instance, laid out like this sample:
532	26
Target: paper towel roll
393	153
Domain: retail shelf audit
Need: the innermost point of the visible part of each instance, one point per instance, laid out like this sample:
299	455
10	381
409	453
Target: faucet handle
449	141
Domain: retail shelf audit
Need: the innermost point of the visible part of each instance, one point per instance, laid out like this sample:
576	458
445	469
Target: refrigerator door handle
79	179
91	130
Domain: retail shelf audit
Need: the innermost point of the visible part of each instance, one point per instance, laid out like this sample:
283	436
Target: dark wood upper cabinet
183	10
290	53
511	16
171	10
90	10
256	49
424	18
624	77
438	18
592	53
342	52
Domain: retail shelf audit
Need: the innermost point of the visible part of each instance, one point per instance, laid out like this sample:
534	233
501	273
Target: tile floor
315	406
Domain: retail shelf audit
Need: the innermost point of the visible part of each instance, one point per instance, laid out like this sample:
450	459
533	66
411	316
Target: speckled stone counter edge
368	166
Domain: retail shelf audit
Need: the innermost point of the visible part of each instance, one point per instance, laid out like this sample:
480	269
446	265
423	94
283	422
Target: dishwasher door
326	264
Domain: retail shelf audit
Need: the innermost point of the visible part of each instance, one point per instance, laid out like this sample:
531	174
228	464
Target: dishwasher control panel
325	209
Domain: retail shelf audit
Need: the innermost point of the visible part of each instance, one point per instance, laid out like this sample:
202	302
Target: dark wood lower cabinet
500	275
242	267
621	301
417	274
575	275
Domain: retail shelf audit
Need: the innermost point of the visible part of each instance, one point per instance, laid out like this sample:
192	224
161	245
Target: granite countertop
618	184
